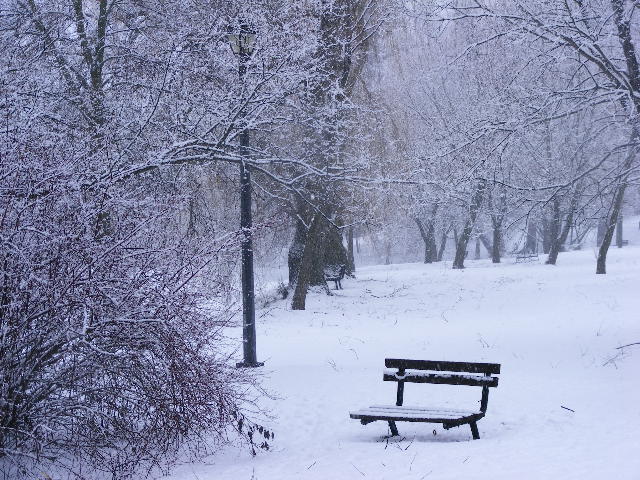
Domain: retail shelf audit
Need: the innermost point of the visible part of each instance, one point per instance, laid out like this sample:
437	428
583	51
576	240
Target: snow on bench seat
414	414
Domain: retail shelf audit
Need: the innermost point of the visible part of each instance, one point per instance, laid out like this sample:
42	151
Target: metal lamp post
242	44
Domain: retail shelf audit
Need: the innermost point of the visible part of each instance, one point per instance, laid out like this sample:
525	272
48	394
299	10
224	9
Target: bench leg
474	430
394	429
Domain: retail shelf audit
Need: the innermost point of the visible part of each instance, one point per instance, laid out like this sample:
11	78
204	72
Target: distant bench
426	371
526	257
336	276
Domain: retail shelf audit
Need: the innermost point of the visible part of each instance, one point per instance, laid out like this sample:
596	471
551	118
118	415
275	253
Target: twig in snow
358	469
412	460
397	445
407	447
613	359
267	312
426	474
567	408
392	294
311	465
629	345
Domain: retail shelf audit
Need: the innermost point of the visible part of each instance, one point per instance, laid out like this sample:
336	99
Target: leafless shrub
111	360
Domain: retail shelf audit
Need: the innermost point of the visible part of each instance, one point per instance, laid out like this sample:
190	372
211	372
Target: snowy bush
111	360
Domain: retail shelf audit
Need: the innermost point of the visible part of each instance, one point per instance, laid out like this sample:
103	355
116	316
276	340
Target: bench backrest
429	371
332	272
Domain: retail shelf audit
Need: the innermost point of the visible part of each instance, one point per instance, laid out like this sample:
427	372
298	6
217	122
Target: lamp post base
249	365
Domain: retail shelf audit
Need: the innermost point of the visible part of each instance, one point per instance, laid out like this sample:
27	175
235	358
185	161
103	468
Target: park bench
526	257
425	371
336	276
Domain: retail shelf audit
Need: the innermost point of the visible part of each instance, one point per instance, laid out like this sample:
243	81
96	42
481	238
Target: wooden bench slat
415	415
397	414
413	408
468	367
407	417
439	378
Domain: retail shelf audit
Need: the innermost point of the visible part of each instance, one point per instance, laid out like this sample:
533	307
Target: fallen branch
359	471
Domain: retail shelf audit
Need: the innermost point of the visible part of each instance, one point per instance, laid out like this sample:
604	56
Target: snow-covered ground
554	330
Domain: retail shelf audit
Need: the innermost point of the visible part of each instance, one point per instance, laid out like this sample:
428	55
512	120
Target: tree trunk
296	251
311	246
423	234
498	213
616	206
602	228
351	266
554	230
461	246
318	264
387	252
428	237
633	72
531	245
559	232
431	243
619	233
339	67
335	254
497	242
601	264
474	209
546	237
443	244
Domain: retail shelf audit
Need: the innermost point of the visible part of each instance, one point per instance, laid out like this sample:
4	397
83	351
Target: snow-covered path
554	330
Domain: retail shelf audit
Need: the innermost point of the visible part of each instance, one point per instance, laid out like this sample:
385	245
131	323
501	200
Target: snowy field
554	330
